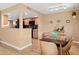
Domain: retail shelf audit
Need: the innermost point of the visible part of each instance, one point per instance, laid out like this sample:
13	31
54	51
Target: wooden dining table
59	43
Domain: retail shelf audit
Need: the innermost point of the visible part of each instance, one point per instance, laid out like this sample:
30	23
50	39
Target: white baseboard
18	48
75	42
25	46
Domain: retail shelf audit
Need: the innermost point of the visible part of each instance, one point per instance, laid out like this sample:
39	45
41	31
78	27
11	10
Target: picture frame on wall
51	21
67	21
58	21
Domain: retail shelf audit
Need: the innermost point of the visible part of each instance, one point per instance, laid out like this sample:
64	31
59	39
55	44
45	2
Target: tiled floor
32	50
11	51
6	50
74	49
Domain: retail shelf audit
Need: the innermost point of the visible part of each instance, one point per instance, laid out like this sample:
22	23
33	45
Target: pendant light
74	14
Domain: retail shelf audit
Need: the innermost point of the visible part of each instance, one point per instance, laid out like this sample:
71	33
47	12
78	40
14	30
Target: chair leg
65	52
68	53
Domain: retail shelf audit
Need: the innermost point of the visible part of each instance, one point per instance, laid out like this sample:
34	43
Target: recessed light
56	8
64	7
26	13
35	16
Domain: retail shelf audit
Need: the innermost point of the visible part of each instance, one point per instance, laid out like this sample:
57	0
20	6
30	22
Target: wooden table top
56	41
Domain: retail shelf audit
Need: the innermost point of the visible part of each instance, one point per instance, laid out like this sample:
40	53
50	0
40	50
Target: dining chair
48	48
66	48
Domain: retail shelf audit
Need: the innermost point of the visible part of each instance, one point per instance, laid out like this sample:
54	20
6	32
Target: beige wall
40	26
0	19
71	29
16	37
5	20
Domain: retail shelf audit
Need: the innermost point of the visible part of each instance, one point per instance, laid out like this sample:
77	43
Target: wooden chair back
48	48
67	47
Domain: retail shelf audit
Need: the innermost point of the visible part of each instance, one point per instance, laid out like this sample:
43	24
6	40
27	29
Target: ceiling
41	7
44	7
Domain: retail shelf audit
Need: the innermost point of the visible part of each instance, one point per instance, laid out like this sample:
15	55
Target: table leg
60	49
